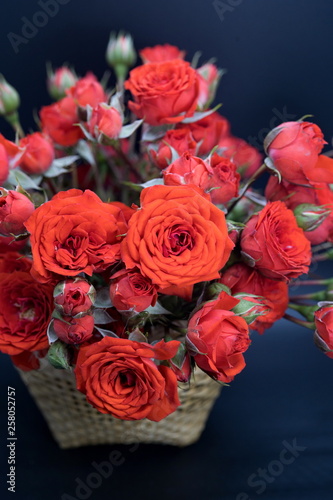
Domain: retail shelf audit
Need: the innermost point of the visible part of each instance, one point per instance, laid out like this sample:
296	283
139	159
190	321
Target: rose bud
86	91
129	290
208	131
273	243
217	338
9	98
323	336
209	77
4	164
15	210
59	121
224	177
74	296
247	158
310	217
181	364
294	149
59	81
161	53
120	54
181	140
105	122
250	307
74	330
38	155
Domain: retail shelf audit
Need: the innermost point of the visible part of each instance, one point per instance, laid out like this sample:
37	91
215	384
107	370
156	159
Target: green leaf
200	115
128	130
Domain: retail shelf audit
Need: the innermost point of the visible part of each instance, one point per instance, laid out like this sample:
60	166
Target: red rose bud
59	121
129	290
120	54
323	335
15	210
105	122
59	81
38	155
246	157
214	289
294	149
224	179
9	98
310	217
250	307
74	330
161	53
4	164
74	296
86	91
181	140
181	364
209	77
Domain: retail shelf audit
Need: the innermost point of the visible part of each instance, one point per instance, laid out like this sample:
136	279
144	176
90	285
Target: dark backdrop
279	58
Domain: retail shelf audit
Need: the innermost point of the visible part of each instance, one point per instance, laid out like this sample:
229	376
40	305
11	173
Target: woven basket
74	422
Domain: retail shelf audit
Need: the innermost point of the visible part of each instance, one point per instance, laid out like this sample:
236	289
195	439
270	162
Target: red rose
177	237
181	140
317	193
294	148
161	53
163	92
324	330
15	209
274	244
86	91
25	312
246	157
188	169
38	154
74	233
105	120
14	261
4	164
74	330
220	337
224	177
74	296
208	131
119	377
130	290
59	122
240	278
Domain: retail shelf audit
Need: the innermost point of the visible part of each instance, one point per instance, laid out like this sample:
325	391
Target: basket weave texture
74	422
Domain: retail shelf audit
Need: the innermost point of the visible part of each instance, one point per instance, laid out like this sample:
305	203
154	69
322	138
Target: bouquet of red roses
133	244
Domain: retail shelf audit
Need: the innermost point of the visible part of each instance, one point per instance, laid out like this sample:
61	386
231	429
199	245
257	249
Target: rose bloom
220	337
74	296
163	92
4	164
246	157
59	122
86	91
208	131
274	244
119	377
74	233
294	148
161	53
217	176
15	209
317	193
240	278
177	237
38	155
181	140
324	330
25	312
14	261
105	120
130	290
74	330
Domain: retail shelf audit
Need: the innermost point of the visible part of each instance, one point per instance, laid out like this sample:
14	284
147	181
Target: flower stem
300	322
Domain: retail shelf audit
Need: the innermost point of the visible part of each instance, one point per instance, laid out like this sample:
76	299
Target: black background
279	57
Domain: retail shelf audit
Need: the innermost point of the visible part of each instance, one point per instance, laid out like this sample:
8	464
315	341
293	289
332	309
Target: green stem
300	322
